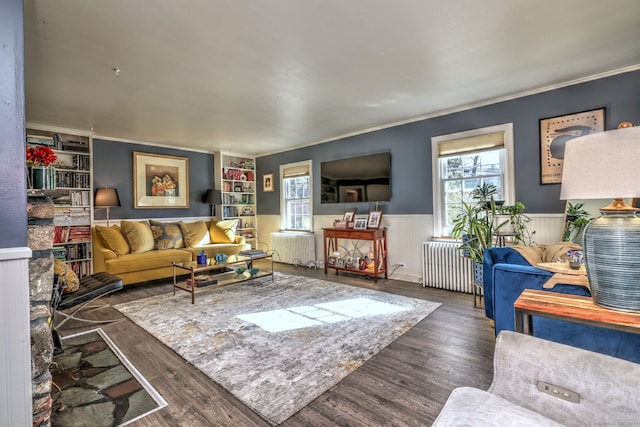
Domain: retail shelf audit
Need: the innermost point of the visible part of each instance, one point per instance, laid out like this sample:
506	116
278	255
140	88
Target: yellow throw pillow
228	227
113	239
139	236
67	278
217	234
195	234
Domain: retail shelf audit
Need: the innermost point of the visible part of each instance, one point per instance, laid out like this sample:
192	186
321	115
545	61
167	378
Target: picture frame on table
341	262
375	219
332	260
555	132
348	216
160	181
268	183
360	222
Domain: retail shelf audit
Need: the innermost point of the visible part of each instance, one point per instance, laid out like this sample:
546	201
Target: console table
570	308
378	237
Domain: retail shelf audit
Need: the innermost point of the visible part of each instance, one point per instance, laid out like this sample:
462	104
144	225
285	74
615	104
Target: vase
39	177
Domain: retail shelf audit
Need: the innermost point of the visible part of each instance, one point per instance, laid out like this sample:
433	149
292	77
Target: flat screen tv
356	179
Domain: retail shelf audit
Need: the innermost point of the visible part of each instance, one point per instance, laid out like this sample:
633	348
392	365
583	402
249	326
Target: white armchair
544	383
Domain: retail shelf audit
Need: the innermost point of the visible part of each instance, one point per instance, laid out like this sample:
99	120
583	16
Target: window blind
471	144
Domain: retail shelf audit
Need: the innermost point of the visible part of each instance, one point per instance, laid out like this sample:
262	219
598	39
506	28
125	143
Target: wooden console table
378	237
570	308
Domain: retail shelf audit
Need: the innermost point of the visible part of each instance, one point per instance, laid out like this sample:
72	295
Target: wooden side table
570	308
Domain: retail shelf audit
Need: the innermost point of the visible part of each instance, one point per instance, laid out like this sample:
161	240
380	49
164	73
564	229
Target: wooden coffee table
217	274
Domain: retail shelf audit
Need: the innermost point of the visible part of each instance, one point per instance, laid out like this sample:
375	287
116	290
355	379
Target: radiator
293	248
443	267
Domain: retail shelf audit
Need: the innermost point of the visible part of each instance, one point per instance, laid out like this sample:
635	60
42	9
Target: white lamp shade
602	165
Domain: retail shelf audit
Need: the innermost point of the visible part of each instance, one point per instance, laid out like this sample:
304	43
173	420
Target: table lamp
106	198
600	166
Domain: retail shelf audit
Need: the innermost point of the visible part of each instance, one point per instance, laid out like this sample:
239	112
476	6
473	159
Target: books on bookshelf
63	234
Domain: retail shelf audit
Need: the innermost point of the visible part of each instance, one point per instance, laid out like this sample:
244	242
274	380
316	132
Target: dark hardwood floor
406	384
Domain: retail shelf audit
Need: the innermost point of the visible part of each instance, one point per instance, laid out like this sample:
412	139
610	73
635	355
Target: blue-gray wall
410	146
13	197
113	167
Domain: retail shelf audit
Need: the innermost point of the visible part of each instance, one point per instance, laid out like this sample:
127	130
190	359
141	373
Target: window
465	160
296	193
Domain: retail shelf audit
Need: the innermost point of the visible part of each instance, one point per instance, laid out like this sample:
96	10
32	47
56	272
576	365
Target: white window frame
283	203
508	189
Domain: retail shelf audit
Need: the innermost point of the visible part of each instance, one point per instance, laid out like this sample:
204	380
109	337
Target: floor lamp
213	197
604	165
106	198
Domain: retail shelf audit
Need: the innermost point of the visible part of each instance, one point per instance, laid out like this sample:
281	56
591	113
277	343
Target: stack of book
201	282
254	253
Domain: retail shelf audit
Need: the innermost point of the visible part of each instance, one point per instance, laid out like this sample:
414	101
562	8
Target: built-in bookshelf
237	182
70	177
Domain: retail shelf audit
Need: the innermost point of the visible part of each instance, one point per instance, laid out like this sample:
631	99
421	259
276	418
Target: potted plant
510	219
576	220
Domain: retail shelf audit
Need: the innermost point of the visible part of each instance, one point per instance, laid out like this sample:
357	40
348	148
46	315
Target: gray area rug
278	345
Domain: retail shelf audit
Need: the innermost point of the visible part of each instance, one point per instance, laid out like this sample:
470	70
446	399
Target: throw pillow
558	251
67	278
139	236
217	234
195	234
113	239
228	227
166	235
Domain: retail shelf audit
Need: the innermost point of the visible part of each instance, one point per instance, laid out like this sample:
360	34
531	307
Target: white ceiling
255	77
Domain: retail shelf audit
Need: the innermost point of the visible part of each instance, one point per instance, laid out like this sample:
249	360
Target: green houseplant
576	219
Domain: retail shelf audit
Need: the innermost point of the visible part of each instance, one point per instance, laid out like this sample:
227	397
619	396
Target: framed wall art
554	134
267	182
160	181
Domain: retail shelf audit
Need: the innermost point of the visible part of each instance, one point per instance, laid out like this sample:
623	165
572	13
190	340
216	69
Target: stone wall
40	240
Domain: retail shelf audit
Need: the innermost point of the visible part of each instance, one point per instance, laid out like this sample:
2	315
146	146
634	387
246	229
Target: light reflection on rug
314	333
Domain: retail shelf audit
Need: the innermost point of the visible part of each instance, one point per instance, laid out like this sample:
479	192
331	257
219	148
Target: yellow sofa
126	251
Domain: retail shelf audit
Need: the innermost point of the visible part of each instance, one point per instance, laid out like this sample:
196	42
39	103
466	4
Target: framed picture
340	262
160	181
360	222
332	260
554	134
348	216
375	217
267	182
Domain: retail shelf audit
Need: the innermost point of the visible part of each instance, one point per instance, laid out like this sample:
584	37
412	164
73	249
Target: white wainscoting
405	236
15	338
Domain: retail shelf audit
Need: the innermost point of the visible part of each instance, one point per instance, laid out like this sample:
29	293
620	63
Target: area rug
95	384
277	345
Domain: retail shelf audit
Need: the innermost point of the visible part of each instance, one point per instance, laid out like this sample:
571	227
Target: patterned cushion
66	276
229	227
139	236
113	239
195	234
167	235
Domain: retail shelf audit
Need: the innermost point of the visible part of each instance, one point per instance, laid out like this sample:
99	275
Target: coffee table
216	275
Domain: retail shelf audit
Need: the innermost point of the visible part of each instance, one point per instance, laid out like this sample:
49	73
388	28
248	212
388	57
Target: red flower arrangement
40	156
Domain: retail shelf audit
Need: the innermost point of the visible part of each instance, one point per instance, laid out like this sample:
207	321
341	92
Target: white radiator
443	267
293	248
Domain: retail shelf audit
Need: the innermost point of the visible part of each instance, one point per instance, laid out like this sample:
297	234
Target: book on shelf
40	140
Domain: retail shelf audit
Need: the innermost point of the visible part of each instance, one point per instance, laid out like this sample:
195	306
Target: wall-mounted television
356	179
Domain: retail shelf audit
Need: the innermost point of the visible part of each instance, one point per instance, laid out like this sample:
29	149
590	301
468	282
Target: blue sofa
506	274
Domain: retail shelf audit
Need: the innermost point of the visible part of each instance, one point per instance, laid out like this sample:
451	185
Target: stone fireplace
40	215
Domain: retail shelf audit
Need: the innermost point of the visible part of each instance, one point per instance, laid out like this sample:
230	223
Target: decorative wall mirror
577	215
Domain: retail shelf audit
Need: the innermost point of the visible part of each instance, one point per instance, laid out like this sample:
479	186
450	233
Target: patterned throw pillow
113	239
167	235
195	234
66	276
228	228
139	236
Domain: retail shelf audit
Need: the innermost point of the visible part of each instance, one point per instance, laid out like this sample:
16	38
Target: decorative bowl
240	270
253	271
